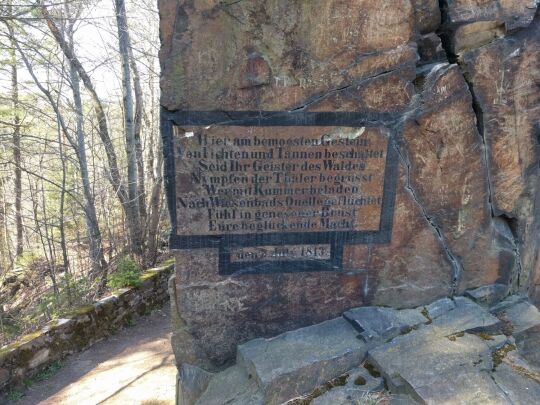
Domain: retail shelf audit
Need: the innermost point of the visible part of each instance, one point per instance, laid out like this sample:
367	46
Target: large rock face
449	94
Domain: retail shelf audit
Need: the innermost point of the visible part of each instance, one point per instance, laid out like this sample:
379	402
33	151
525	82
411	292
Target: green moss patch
360	380
80	311
499	355
425	312
484	336
372	370
454	337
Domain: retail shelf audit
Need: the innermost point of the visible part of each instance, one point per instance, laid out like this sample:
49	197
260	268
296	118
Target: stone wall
453	84
89	324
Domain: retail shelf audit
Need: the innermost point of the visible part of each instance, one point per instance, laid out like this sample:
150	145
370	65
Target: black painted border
267	119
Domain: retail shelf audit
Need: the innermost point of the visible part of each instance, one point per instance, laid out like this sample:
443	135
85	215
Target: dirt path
135	366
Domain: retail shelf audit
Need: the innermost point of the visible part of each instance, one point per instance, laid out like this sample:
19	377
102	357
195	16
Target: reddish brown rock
453	191
513	13
505	78
448	174
428	15
470	24
307	48
397	274
221	311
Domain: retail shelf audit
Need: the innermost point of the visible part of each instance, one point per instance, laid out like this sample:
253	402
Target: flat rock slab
528	343
488	294
522	315
294	363
378	324
422	359
232	387
466	315
426	363
518	388
462	387
360	386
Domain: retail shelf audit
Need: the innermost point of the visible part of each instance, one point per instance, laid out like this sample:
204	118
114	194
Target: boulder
444	92
191	383
295	363
232	386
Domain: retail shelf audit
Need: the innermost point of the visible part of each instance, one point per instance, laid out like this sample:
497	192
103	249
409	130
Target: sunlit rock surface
456	87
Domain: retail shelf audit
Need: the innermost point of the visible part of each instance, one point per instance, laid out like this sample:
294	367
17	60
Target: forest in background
82	206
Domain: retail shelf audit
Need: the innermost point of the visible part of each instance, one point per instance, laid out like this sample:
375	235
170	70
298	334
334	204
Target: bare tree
99	265
131	122
16	133
130	205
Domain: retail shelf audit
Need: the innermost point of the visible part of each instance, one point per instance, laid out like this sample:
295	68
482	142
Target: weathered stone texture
448	174
505	77
458	355
513	13
392	271
222	311
273	55
461	114
292	364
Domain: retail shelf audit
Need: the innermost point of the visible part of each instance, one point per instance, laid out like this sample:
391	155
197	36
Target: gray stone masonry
453	351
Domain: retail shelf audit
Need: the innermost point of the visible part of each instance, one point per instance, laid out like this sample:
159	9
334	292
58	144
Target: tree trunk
155	205
139	109
129	118
16	141
99	265
61	225
4	245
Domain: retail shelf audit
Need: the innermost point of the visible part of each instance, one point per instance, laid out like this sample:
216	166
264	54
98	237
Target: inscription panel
274	196
280	253
238	180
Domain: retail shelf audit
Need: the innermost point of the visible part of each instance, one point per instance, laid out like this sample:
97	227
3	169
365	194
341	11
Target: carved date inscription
280	179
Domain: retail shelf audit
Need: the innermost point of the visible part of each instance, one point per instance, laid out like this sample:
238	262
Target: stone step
232	387
440	361
451	351
520	314
422	359
528	343
518	388
360	386
377	324
295	363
